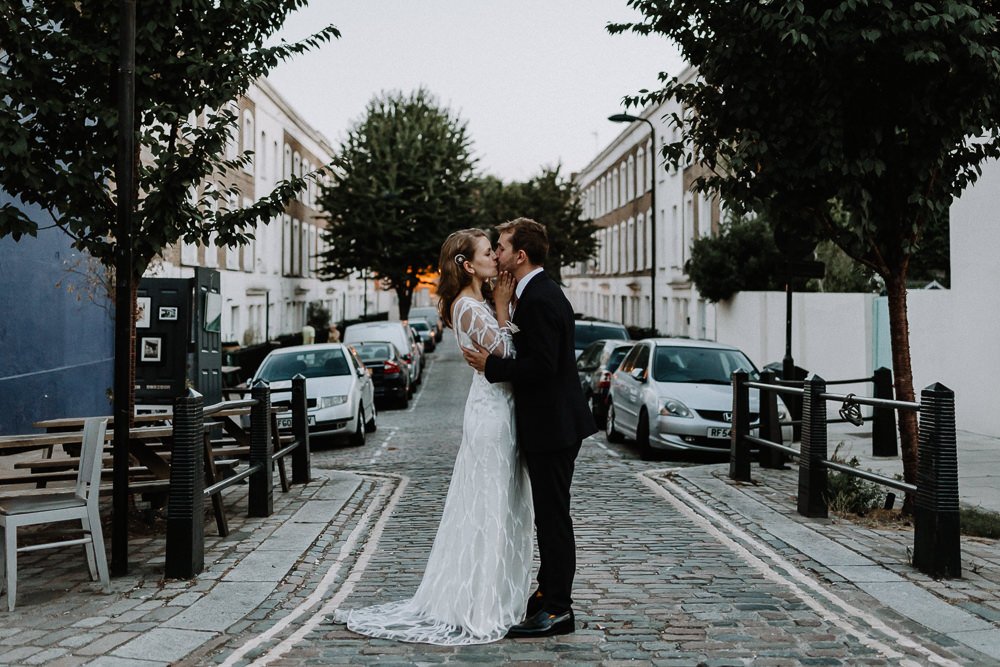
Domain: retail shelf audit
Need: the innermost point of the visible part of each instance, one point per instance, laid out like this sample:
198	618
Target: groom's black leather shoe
534	605
544	624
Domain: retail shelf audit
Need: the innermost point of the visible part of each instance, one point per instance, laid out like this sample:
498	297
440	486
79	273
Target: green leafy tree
742	257
402	181
59	122
550	199
871	104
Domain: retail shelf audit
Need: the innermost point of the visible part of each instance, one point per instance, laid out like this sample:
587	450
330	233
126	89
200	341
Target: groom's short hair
529	236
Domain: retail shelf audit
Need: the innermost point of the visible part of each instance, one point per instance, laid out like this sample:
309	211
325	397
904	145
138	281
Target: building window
641	177
248	138
296	164
630	179
640	226
288	162
286	246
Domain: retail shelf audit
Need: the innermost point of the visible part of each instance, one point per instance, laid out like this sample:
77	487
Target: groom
552	416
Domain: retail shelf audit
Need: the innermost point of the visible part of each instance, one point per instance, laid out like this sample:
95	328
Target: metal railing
185	549
936	539
883	419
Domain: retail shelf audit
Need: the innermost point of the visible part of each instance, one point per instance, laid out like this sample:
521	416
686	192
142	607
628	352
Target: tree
58	132
402	181
742	257
886	107
551	200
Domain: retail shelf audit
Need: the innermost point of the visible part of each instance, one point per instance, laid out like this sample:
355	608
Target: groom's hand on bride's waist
477	357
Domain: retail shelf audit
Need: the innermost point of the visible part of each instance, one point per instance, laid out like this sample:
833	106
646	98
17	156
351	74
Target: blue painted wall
56	345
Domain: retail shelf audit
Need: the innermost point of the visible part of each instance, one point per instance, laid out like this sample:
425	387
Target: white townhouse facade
617	193
267	284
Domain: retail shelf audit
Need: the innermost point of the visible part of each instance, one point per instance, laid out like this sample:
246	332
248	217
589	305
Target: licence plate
718	432
286	422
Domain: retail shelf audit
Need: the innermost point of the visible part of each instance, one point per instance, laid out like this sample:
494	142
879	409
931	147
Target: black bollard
301	471
937	547
185	549
261	500
770	428
739	448
812	472
883	419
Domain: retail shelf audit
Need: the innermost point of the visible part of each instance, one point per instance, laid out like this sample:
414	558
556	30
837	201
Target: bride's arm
474	322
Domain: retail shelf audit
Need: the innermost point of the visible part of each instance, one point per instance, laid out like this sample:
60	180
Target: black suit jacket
551	411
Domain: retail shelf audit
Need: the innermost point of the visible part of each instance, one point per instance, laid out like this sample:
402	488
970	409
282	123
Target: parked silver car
676	394
339	390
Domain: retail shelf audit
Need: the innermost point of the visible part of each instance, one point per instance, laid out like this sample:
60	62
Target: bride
478	573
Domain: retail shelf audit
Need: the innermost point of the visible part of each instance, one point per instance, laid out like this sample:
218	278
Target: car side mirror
638	374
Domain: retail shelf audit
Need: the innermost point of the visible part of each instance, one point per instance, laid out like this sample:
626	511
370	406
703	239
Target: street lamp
628	118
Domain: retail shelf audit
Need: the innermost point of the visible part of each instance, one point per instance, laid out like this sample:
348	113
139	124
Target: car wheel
642	436
614	435
357	439
370	425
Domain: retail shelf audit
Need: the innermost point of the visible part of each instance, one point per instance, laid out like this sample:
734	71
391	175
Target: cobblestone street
663	578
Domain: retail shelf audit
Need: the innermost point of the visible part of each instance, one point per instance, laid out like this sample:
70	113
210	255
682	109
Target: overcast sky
534	79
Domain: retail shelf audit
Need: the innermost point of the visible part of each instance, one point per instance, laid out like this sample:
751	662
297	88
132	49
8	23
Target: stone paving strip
875	561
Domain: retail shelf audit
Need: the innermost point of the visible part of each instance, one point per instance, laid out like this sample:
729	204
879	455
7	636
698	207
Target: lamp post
628	118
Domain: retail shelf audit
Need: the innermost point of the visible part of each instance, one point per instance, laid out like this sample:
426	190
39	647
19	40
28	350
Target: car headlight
783	415
330	401
674	408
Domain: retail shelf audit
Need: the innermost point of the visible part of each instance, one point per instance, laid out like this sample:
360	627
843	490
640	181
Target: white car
339	390
675	393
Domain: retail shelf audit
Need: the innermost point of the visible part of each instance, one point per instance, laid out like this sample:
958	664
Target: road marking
600	444
382	448
346	551
423	385
724	530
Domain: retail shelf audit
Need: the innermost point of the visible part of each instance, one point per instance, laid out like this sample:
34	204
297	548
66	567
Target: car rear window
372	352
587	333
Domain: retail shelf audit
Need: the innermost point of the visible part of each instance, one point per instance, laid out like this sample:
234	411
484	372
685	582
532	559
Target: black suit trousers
551	474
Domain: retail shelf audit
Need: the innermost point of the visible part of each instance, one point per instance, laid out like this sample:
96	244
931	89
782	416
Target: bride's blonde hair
458	248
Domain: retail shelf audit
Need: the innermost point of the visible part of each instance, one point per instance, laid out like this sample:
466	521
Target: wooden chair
80	504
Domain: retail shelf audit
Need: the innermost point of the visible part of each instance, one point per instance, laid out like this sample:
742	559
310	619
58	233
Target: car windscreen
702	365
310	364
587	334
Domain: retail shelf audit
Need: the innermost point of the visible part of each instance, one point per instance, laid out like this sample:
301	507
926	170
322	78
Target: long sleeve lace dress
478	574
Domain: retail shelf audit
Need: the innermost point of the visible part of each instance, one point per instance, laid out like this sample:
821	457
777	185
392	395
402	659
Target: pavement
677	565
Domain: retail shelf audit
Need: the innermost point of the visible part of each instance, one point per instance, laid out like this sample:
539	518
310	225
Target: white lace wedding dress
478	574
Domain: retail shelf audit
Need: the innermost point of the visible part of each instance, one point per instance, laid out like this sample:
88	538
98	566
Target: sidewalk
978	462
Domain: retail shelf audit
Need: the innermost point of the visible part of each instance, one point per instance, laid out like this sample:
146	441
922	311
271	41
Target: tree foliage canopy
402	181
59	121
869	102
550	199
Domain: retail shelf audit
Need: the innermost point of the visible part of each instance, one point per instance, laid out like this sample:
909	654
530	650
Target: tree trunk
899	334
405	296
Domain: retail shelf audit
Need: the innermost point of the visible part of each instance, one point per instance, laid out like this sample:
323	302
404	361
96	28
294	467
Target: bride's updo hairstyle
458	248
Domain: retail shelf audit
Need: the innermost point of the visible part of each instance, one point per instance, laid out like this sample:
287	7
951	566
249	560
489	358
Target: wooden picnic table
74	423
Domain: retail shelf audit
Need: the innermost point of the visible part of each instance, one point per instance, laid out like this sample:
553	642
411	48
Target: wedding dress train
478	574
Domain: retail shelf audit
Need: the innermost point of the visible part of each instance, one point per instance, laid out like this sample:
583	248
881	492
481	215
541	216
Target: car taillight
391	367
605	381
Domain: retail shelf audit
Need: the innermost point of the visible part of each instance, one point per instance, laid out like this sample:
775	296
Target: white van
397	333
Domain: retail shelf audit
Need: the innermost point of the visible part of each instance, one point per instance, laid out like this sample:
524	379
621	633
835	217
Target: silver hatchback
676	394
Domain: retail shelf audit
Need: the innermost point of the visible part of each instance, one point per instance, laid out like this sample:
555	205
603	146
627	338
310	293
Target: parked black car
388	369
594	366
426	332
